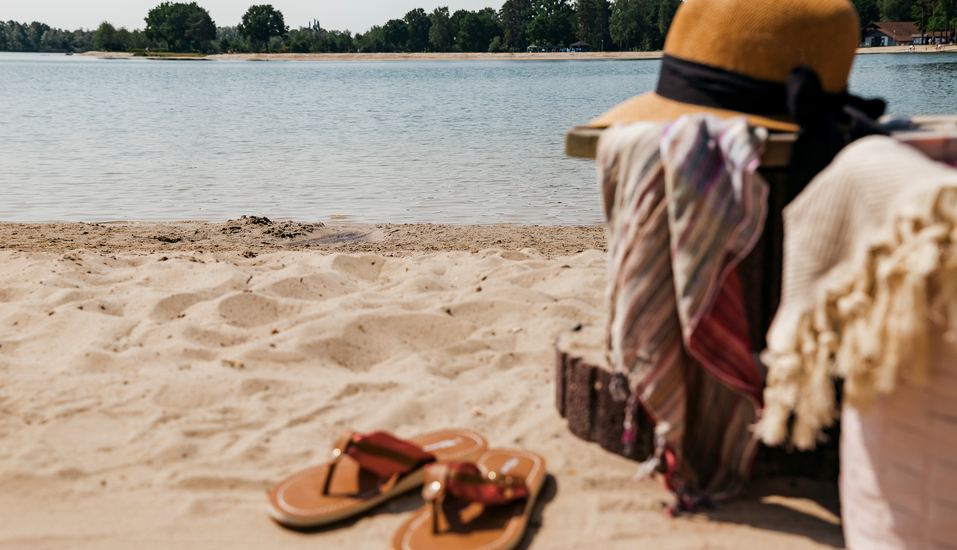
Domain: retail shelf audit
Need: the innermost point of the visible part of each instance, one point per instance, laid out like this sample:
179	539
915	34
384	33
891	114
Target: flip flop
365	471
483	505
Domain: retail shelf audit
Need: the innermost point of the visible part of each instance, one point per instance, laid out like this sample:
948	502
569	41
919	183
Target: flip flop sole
315	509
416	533
408	483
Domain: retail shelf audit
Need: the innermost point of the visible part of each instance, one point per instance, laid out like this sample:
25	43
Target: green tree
593	18
895	10
28	37
123	37
867	11
553	23
455	25
948	15
228	38
921	12
40	37
515	17
441	36
666	13
396	34
137	40
341	42
477	30
35	34
80	40
105	39
53	40
200	29
629	25
223	44
17	38
13	37
419	27
372	41
181	26
261	22
167	22
943	18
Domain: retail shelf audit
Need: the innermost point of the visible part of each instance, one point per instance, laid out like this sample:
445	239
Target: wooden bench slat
936	136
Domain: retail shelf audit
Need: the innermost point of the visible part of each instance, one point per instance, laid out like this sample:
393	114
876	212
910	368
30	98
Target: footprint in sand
213	338
253	386
371	339
249	310
171	307
366	268
74	437
68	297
319	286
187	395
513	255
355	388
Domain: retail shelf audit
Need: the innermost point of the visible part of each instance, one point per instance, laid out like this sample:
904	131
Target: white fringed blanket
869	268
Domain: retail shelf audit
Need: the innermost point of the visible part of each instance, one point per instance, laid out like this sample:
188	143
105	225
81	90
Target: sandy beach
906	49
157	379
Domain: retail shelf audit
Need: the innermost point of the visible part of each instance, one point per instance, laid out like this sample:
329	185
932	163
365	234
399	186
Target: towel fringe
871	329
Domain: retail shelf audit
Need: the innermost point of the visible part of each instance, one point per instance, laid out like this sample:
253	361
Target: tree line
39	37
928	15
518	24
604	24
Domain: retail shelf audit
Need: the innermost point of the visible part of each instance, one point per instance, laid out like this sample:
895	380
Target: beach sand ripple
151	399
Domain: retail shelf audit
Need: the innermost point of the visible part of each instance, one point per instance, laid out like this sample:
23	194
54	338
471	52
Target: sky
354	15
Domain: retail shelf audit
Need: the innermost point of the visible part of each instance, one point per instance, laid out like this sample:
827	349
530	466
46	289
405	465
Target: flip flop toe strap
380	453
465	482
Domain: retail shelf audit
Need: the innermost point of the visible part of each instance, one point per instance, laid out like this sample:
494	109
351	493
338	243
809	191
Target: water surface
87	139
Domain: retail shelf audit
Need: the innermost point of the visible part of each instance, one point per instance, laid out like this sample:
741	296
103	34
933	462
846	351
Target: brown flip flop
483	505
365	471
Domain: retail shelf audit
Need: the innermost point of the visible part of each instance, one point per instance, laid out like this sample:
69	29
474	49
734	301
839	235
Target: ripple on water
440	142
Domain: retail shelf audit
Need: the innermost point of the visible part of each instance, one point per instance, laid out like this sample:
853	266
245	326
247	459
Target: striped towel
684	205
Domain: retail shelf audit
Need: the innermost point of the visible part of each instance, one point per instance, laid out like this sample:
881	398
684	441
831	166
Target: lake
470	142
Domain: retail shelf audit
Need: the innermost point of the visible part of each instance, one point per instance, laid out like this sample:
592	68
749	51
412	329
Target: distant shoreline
471	56
905	49
462	56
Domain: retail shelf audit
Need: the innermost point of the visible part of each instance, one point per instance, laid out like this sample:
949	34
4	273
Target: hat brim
652	107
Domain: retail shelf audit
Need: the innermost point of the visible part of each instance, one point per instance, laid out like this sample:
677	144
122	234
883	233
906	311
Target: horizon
357	16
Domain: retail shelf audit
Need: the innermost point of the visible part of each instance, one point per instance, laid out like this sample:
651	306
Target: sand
905	49
157	379
255	235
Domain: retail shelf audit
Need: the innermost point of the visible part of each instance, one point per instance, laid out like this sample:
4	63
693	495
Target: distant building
939	37
580	47
889	34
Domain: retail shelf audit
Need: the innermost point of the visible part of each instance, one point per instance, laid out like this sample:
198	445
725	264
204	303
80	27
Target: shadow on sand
794	505
549	490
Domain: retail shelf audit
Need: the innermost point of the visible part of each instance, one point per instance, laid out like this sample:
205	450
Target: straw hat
743	51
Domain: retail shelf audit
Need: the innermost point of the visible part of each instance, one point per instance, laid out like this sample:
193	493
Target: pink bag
899	463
